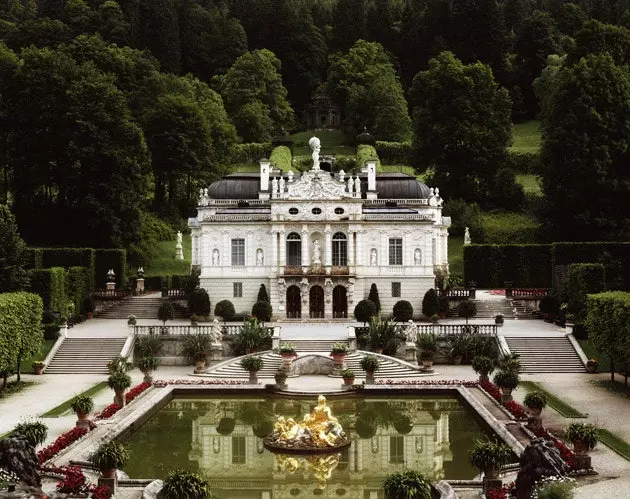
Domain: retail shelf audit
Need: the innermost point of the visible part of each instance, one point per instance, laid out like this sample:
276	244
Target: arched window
294	249
340	249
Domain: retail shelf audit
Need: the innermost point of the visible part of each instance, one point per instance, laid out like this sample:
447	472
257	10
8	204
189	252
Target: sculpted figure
317	253
179	238
215	257
417	258
315	146
373	257
467	239
260	258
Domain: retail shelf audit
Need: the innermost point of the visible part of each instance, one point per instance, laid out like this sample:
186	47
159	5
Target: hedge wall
608	323
527	162
394	153
158	282
70	257
250	153
78	286
490	265
614	256
106	259
281	158
365	152
50	284
20	328
33	258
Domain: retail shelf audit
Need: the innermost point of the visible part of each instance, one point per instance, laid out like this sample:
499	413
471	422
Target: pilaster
305	245
328	246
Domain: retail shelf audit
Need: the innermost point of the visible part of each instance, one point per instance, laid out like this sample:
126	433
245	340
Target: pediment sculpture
317	184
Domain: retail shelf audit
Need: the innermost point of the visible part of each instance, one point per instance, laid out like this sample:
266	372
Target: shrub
262	294
262	310
383	334
365	152
464	215
583	432
403	311
370	363
179	484
50	284
339	348
487	455
535	400
524	162
192	344
506	379
549	305
582	279
225	310
148	363
199	302
431	303
109	455
34	432
348	374
467	309
250	152
78	287
373	297
364	311
119	381
149	345
408	483
505	192
252	363
555	488
118	364
483	365
166	312
252	336
82	404
286	348
281	158
427	341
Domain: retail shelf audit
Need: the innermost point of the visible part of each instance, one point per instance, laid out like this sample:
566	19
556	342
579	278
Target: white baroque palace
318	240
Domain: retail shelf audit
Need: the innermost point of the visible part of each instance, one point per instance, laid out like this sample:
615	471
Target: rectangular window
238	289
340	253
238	251
396	289
238	450
395	251
396	450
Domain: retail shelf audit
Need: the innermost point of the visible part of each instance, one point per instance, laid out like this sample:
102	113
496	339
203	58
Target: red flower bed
74	481
424	382
492	389
61	443
565	453
502	493
161	383
109	411
131	395
516	409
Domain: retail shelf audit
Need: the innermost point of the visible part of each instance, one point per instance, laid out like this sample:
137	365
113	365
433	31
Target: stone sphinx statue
539	459
18	456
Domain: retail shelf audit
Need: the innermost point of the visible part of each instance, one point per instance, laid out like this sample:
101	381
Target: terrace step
488	309
85	355
546	354
142	308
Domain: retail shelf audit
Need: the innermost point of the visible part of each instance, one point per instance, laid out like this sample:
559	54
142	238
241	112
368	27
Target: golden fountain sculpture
319	432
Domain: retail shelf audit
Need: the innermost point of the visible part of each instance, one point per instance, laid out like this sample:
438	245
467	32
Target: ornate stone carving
317	253
417	257
260	257
316	184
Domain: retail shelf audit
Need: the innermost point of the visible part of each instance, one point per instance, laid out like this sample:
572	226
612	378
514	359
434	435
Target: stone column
283	249
351	247
328	246
305	247
359	248
274	250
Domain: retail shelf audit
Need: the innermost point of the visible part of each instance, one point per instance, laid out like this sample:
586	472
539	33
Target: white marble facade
318	240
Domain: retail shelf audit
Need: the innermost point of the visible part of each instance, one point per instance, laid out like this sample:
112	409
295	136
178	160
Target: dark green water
221	438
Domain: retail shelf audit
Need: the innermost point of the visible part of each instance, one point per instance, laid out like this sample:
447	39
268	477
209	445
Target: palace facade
318	240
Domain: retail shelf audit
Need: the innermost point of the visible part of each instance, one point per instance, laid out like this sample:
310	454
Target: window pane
238	251
238	289
294	249
340	250
395	251
396	289
238	450
396	450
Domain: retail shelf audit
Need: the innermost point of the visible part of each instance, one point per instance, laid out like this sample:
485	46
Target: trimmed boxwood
250	152
431	303
225	310
199	302
394	153
50	284
403	311
365	152
281	158
364	311
262	310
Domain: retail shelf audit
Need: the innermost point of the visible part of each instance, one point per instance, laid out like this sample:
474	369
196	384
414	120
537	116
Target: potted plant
591	366
427	357
427	342
507	381
287	350
408	483
251	336
89	305
165	313
119	382
370	364
583	437
499	319
200	361
147	365
82	405
180	484
489	457
348	376
435	318
108	457
281	376
131	320
338	352
483	366
510	363
194	320
459	346
253	364
535	402
39	366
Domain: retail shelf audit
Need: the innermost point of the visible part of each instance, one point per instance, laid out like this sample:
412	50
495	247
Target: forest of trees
115	112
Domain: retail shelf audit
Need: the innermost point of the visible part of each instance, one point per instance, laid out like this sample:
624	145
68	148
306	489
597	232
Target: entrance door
340	302
294	304
317	302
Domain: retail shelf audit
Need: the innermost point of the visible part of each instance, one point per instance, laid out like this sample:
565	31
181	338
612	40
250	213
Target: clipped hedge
50	284
78	287
491	265
159	282
281	158
106	259
45	258
21	333
608	323
582	279
365	152
251	152
394	153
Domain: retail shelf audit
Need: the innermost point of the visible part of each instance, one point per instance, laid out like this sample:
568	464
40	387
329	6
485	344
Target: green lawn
531	184
592	353
63	408
559	405
456	254
165	264
617	444
332	142
526	137
27	364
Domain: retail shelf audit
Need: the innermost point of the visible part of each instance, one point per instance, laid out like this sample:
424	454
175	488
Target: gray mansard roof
388	186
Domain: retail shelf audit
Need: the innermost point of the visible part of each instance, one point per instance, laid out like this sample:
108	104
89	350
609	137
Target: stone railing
236	218
395	216
228	329
111	294
174	293
451	329
459	294
526	293
396	202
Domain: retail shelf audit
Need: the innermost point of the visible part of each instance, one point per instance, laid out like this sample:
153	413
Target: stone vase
119	397
253	377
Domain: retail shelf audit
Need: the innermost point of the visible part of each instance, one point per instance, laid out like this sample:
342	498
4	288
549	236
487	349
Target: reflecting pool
222	438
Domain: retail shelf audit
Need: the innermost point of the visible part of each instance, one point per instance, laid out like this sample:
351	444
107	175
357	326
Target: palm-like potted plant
535	402
583	437
427	342
132	320
370	364
82	405
180	484
348	376
147	365
287	350
507	381
281	376
510	363
489	457
338	352
252	336
459	346
252	364
483	366
499	319
108	457
408	483
119	382
200	361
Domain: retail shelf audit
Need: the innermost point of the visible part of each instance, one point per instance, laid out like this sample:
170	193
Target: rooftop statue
316	146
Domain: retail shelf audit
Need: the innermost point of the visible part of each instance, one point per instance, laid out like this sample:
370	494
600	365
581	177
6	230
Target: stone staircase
142	307
389	368
85	355
546	354
487	309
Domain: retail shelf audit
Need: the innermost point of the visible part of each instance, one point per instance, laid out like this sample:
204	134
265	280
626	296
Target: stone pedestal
369	378
411	351
216	353
253	377
110	286
179	252
491	484
83	423
110	483
506	397
581	462
534	423
140	285
338	366
63	330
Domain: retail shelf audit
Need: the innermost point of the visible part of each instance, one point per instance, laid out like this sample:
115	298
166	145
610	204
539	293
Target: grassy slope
332	142
531	184
165	263
27	364
456	254
526	137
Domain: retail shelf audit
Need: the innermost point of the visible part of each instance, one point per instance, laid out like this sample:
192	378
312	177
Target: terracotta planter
253	377
119	397
491	473
580	447
148	376
338	357
90	315
534	411
505	390
378	350
457	359
108	473
348	381
39	370
288	356
82	416
428	363
200	365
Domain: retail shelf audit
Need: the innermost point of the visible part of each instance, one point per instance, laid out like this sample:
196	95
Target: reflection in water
222	439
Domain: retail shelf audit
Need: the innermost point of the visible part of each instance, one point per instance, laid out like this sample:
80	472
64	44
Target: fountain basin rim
305	451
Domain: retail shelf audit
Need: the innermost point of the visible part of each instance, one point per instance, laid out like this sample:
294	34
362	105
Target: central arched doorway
316	298
294	305
340	302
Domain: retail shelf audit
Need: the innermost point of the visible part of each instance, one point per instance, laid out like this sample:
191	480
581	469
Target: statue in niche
215	257
357	186
467	239
274	187
317	253
373	257
281	186
417	257
260	257
316	146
